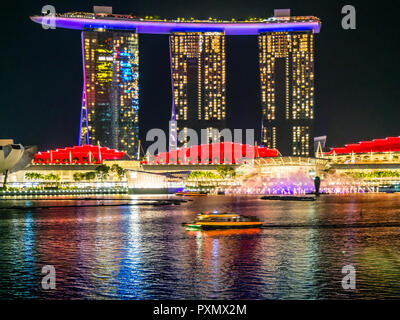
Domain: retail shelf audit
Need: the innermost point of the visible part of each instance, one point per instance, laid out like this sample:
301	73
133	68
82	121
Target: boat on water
289	198
218	221
191	194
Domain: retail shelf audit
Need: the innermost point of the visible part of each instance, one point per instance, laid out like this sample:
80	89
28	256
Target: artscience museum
14	157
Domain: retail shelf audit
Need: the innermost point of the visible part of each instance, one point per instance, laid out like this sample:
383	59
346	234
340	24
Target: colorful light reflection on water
145	253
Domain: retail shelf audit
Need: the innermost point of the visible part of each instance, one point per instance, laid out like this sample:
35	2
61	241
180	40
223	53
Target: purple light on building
166	27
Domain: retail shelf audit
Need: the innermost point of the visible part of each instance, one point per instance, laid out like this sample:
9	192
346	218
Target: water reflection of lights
129	278
143	259
17	255
29	239
215	263
199	243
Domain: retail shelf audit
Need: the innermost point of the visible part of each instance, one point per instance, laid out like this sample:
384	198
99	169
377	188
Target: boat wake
333	226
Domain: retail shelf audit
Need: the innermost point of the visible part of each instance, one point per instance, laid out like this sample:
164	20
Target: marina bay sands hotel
110	52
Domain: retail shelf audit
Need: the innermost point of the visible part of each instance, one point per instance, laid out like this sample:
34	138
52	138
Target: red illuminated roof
78	155
219	153
377	145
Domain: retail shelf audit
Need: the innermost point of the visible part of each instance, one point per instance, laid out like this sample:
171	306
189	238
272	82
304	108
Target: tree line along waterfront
36	182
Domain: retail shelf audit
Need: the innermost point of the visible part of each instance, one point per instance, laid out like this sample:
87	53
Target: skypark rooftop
81	21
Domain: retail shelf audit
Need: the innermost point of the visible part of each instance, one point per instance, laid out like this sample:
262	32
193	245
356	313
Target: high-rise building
287	90
110	104
198	79
197	49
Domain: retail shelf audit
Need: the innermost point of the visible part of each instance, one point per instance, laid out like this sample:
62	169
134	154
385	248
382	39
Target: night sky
356	71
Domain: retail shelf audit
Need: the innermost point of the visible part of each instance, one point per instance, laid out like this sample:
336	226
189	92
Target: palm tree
29	175
91	175
53	177
225	171
102	171
77	176
33	176
119	171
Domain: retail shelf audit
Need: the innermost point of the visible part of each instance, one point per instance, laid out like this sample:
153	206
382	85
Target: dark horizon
355	71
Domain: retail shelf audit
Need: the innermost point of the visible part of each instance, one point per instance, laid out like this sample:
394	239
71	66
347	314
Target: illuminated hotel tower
197	48
110	104
198	80
287	91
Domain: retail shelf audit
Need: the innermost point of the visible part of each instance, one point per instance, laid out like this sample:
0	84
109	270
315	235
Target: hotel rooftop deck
80	21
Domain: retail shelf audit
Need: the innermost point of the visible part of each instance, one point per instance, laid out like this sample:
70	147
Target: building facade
198	80
110	102
287	91
197	50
